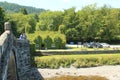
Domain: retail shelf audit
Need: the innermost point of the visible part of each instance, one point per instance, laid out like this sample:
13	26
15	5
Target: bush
32	51
38	42
32	48
59	43
48	42
48	38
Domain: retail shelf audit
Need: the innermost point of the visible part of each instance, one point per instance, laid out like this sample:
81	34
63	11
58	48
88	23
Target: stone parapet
24	69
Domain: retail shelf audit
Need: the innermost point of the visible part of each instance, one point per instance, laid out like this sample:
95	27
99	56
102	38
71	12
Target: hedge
48	39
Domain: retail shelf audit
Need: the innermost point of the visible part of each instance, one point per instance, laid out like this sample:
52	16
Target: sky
64	4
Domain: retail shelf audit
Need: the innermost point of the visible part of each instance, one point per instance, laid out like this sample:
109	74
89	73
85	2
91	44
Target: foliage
32	51
77	61
71	34
2	19
38	42
22	23
47	39
23	11
62	29
48	42
58	42
88	24
50	20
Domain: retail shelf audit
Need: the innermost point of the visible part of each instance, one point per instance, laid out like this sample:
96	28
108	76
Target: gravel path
110	72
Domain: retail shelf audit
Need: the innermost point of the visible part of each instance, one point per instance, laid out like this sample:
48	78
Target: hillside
15	8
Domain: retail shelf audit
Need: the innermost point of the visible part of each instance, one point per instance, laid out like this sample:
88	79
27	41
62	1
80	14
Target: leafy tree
23	11
71	34
50	20
27	28
36	17
41	27
31	21
22	23
2	19
62	29
69	16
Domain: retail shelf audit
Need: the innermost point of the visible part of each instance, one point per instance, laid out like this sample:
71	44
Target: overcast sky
64	4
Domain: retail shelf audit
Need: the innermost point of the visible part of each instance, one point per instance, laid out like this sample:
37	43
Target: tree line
91	23
88	24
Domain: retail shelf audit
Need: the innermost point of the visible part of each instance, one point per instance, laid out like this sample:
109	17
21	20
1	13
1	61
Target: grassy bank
78	61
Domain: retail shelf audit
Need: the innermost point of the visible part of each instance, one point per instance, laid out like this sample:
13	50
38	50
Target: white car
105	45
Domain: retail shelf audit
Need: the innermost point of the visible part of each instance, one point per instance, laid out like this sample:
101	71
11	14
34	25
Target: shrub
45	35
58	42
48	42
32	51
32	48
38	42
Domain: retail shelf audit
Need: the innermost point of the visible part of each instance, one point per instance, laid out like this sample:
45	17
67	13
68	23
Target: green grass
81	60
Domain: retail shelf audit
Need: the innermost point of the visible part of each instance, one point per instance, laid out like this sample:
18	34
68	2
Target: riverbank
110	72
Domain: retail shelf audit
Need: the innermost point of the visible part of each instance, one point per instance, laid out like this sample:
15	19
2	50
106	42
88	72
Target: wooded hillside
15	8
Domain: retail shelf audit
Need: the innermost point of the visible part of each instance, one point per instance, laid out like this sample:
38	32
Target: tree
2	19
51	20
69	17
62	29
40	27
23	11
71	34
22	23
31	21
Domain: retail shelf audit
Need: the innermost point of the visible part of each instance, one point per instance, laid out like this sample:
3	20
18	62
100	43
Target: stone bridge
15	58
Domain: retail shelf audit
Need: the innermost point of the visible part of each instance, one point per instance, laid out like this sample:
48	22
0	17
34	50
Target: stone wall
24	69
5	49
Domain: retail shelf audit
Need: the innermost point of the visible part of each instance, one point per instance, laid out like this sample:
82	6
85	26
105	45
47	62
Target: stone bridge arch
15	58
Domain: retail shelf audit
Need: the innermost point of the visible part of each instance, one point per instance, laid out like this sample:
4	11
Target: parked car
105	45
98	45
93	45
